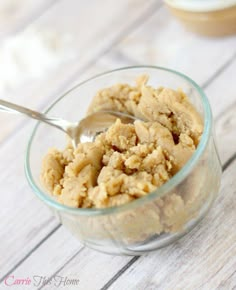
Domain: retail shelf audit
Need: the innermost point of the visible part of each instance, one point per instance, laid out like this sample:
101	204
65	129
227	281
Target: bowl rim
159	192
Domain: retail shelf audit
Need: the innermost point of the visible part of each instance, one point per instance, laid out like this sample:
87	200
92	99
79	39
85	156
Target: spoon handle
8	107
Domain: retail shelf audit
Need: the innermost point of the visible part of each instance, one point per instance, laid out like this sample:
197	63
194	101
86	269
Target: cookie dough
129	161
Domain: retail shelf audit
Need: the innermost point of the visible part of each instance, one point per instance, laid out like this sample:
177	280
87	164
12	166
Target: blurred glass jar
207	17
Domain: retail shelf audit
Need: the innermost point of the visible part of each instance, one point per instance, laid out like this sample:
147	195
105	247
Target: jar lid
201	5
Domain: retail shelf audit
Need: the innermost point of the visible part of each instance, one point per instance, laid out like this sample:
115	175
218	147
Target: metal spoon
83	131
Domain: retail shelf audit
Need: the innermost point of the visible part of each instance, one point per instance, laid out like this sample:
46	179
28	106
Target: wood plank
89	41
106	267
24	219
224	95
77	256
69	247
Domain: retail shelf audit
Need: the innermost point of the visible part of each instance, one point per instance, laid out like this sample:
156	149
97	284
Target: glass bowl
150	222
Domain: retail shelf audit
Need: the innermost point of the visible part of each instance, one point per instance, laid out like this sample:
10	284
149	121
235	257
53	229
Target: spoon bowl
80	132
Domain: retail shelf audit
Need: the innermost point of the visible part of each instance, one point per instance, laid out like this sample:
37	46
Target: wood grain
24	220
40	250
225	95
79	268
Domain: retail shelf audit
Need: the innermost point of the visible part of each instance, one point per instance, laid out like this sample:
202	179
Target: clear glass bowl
155	220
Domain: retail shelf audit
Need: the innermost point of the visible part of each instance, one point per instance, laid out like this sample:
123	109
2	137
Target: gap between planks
219	71
31	251
66	263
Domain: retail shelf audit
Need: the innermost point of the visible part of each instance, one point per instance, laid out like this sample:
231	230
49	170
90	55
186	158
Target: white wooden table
110	34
